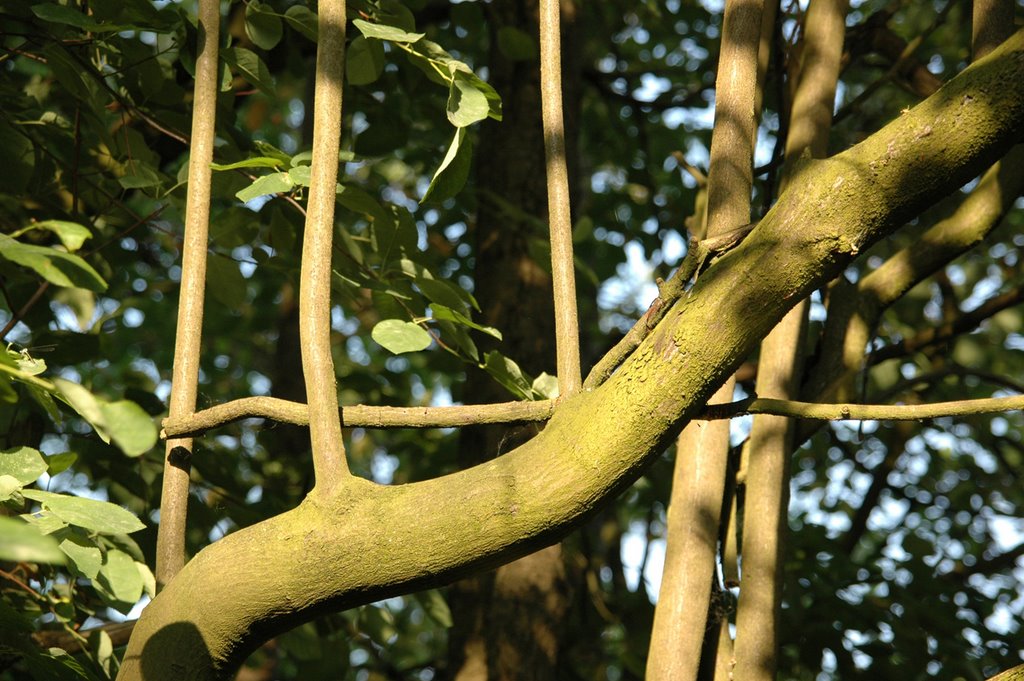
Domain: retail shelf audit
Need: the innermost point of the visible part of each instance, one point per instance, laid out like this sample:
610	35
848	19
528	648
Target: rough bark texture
339	551
509	624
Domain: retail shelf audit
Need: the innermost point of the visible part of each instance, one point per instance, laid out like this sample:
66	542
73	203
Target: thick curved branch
170	542
338	551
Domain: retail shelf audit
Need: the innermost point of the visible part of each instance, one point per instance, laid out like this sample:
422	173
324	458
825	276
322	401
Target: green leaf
98	516
398	336
396	236
120	580
397	13
103	650
546	386
85	403
45	521
59	14
71	234
450	315
436	607
461	338
45	400
508	374
301	175
262	26
225	281
443	292
484	88
382	32
364	62
250	67
361	202
130	427
517	45
467	104
81	301
451	175
303	20
26	363
269	150
23	464
148	579
428	55
254	162
275	183
56	267
85	556
10	488
124	422
140	176
68	72
58	463
20	542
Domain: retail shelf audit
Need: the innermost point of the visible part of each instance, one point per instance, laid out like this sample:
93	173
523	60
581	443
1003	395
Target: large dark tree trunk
509	624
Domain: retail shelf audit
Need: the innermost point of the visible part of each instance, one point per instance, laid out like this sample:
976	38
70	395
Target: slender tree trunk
509	624
782	355
680	618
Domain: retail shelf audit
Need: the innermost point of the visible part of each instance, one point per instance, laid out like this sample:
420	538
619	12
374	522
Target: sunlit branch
170	550
296	413
567	337
329	463
864	412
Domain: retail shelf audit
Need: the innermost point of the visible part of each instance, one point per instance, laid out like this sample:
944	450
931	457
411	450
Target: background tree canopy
904	537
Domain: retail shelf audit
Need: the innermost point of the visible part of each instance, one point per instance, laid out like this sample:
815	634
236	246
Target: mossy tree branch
338	551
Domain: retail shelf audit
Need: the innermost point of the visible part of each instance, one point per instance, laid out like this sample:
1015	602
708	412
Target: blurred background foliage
904	557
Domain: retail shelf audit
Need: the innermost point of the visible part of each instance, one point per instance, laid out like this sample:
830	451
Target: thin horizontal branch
863	412
285	411
362	416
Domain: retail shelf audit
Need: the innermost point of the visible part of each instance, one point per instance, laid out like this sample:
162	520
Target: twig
296	413
863	412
